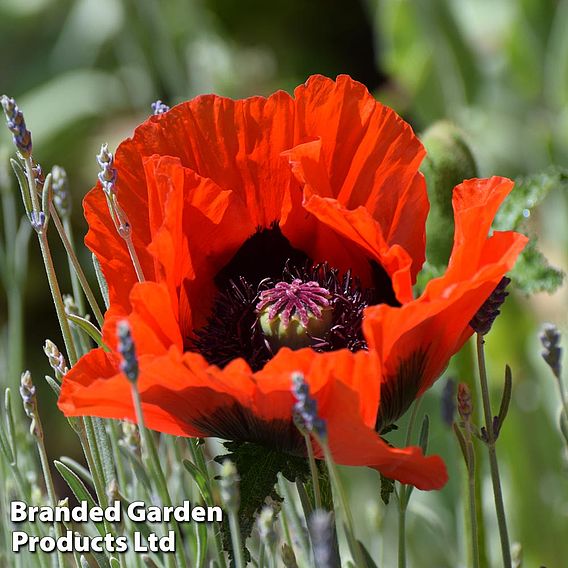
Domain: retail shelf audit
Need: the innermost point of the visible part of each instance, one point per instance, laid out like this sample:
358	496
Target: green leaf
10	427
79	490
505	398
105	450
89	328
77	468
139	470
55	386
528	193
5	446
563	421
258	469
23	183
200	480
387	487
532	272
367	556
201	530
103	286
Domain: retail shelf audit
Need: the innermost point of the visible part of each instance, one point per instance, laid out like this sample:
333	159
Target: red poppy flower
228	200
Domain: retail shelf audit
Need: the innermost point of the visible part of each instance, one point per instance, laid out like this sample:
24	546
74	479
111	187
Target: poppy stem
494	467
405	491
402	529
468	451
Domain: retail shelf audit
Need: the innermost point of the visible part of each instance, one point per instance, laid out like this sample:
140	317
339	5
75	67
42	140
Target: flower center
271	295
293	313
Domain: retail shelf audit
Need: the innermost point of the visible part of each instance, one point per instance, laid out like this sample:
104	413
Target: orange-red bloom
221	194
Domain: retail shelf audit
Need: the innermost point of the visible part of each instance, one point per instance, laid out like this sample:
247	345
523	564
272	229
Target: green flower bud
449	161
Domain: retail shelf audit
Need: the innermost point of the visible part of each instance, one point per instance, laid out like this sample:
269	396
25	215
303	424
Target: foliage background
86	71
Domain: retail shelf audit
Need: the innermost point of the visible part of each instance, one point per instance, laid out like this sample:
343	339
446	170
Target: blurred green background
85	72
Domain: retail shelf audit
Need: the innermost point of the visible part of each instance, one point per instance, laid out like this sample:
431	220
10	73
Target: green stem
313	471
158	474
401	531
336	481
472	503
493	465
57	299
294	517
88	440
75	285
304	499
236	539
50	488
15	331
261	555
77	274
405	491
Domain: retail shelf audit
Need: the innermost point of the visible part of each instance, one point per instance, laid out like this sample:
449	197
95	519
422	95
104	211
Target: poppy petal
369	157
416	341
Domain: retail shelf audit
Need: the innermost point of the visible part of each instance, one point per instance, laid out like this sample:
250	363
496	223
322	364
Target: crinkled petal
416	341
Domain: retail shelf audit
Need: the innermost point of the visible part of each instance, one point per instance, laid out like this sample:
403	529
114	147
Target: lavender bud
55	357
449	402
28	394
70	305
38	220
465	404
265	523
107	175
129	364
305	409
488	312
38	175
130	437
20	134
159	107
61	197
321	532
229	486
552	354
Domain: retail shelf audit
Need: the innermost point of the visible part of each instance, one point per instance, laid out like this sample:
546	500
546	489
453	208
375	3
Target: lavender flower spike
483	320
159	107
61	197
129	364
20	134
552	353
107	175
305	408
